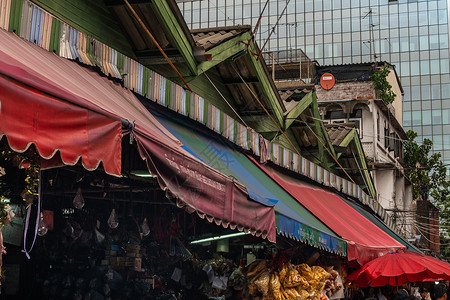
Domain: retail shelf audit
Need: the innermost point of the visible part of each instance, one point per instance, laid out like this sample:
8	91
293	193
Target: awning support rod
157	44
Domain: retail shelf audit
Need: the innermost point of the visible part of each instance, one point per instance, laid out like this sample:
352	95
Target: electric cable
223	97
323	144
273	29
156	43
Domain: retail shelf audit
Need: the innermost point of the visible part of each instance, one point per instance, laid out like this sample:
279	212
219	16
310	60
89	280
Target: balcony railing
290	65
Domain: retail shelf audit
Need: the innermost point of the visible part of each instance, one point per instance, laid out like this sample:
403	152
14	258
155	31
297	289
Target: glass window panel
337	50
426	117
393	21
403	19
407	119
395	45
445	67
404	44
327	50
443	41
425	92
309	28
247	11
413	43
384	46
423	17
308	6
424	43
318	50
442	16
318	5
404	69
384	22
346	48
366	48
318	28
413	19
434	66
437	142
415	68
299	6
416	118
434	42
425	67
407	93
446	141
356	48
435	91
433	17
445	88
415	92
346	27
336	26
437	117
356	25
446	116
336	4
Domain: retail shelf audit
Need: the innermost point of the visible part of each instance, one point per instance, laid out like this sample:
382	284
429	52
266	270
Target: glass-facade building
413	35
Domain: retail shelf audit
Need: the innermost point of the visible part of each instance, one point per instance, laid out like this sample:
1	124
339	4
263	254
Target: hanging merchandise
78	201
42	226
113	221
144	228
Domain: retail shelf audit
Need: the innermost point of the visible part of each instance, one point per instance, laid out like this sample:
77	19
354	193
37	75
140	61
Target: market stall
103	236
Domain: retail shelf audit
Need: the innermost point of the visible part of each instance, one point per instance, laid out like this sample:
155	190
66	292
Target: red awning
59	105
365	240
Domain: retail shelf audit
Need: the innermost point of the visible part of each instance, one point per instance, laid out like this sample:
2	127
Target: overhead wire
264	108
223	97
430	241
259	19
156	43
329	152
273	29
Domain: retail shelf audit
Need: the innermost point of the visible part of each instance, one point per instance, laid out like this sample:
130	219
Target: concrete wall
359	90
397	104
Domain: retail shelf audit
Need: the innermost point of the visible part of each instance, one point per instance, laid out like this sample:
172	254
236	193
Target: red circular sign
327	81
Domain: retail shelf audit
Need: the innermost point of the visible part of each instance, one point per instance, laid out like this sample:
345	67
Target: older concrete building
352	101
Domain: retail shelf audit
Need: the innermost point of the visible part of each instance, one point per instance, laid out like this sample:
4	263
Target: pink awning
365	240
61	106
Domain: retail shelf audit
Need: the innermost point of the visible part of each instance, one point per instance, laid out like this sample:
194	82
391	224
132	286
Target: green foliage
382	85
428	175
445	245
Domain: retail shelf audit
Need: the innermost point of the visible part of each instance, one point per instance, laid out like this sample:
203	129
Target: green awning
293	219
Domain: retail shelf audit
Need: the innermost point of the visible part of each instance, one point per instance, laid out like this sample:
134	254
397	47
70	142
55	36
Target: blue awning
293	220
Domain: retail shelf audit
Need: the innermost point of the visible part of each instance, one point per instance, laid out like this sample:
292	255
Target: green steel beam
270	93
321	128
224	51
317	128
172	25
363	166
346	141
298	110
261	126
353	136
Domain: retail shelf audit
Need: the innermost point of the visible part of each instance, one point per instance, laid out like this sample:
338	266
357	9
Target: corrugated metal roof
209	37
338	132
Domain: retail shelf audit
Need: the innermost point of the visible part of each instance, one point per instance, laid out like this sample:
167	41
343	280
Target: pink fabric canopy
365	240
58	105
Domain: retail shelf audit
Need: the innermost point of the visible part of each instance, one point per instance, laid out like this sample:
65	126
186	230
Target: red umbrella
400	267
